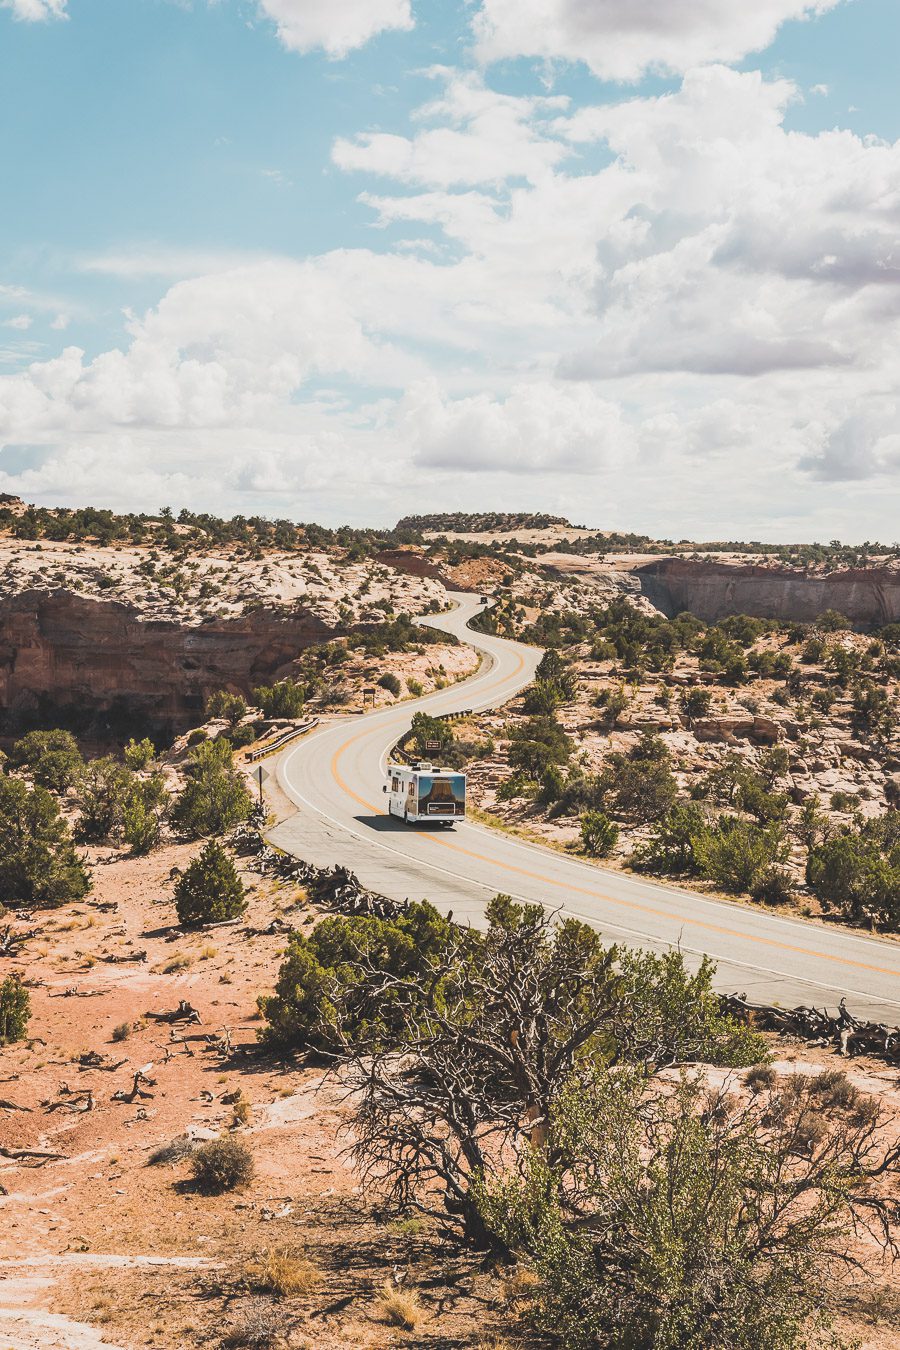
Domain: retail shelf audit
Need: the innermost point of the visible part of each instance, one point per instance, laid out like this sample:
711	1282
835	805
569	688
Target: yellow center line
584	890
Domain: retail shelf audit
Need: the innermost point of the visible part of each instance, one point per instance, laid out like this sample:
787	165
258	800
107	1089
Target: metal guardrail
280	741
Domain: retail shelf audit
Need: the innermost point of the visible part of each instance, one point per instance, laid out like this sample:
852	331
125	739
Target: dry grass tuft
399	1308
172	966
261	1328
284	1272
760	1078
241	1112
179	1148
522	1283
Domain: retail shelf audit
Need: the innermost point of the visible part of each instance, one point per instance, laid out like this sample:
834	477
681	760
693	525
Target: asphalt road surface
335	777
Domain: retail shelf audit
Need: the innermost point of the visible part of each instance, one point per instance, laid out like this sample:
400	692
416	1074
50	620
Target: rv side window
395	784
411	790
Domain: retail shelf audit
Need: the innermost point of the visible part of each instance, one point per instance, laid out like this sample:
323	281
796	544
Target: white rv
423	792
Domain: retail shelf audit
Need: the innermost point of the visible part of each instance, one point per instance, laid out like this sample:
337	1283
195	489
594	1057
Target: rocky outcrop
97	665
868	596
759	730
414	562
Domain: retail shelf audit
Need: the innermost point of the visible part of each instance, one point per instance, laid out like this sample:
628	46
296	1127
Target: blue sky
257	256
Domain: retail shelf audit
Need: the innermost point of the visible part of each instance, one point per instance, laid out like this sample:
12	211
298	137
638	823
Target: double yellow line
572	888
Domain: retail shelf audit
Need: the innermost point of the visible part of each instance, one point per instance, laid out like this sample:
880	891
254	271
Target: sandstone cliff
99	664
869	597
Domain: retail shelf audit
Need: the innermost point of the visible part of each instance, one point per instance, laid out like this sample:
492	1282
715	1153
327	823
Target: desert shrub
222	703
238	737
857	873
613	703
415	687
52	758
671	848
694	703
552	787
121	1032
832	621
426	728
638	784
720	655
326	995
537	744
215	797
391	683
395	635
874	709
555	683
734	783
542	698
209	890
516	785
773	886
143	809
103	785
139	754
15	1010
774	763
685	1219
735	855
599	834
282	699
506	1016
38	862
221	1165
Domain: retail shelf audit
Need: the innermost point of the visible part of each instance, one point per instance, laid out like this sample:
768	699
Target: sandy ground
100	1248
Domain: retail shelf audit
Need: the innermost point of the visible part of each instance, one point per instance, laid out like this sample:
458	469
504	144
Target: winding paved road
335	775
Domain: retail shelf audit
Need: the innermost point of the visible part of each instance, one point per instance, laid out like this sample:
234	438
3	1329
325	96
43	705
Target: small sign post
432	745
260	774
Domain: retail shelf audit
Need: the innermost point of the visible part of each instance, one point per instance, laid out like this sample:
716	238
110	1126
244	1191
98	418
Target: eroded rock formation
99	664
869	597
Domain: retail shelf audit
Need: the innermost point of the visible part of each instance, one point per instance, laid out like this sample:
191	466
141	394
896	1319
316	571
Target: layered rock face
98	664
869	597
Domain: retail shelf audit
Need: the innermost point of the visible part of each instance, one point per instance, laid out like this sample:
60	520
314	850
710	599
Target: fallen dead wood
12	1106
335	888
78	1103
277	928
115	959
848	1034
74	992
94	1060
28	1154
136	1089
185	1012
10	941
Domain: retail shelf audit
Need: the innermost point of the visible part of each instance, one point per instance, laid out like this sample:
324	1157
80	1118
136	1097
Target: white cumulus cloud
482	137
35	11
334	26
539	427
622	39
